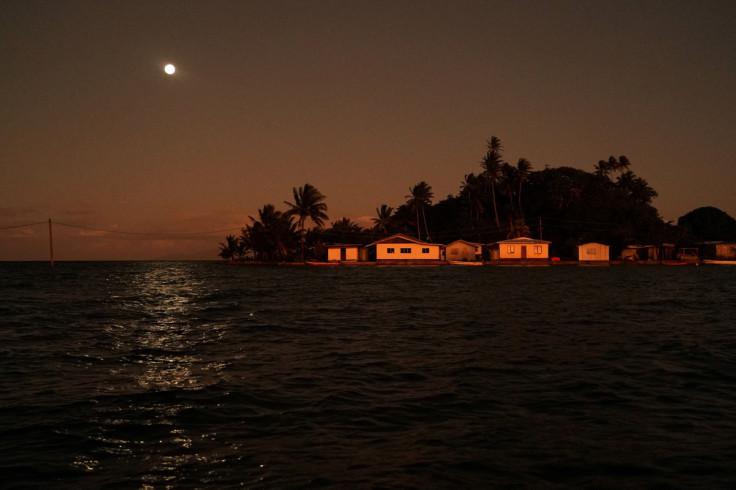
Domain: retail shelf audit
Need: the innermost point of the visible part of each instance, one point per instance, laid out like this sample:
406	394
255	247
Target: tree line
567	206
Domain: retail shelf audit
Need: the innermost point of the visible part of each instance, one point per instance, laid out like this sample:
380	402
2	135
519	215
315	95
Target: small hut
343	252
462	250
593	252
522	248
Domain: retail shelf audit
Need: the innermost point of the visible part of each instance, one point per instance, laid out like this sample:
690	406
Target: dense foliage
498	200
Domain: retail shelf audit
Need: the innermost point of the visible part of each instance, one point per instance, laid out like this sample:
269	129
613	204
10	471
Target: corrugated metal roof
401	238
521	241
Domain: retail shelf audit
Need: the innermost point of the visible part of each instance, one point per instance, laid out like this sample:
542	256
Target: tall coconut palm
491	165
508	187
419	199
508	181
383	221
471	188
307	205
494	144
523	169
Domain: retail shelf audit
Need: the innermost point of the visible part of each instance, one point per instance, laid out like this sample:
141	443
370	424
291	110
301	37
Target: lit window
405	250
537	249
511	249
389	250
425	250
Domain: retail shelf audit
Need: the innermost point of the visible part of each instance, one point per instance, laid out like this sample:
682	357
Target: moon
170	69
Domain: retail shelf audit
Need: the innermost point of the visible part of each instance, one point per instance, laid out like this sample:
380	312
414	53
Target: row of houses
401	248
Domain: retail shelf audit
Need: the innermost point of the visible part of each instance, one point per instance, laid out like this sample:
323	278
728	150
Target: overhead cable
145	233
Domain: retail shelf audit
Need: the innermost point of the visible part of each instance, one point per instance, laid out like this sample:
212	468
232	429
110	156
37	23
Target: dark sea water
201	375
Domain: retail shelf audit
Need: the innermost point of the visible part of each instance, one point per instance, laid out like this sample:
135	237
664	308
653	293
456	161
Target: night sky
361	99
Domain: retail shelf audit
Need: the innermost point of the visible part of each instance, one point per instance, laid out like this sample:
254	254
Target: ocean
202	375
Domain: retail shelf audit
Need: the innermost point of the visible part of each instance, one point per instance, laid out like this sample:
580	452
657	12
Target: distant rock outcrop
708	224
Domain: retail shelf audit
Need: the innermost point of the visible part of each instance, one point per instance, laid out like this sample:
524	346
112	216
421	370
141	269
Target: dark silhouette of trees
577	207
570	206
272	236
707	224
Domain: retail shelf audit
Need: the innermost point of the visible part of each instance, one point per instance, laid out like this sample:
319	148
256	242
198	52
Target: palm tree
523	169
602	168
508	187
344	231
382	222
471	188
307	205
419	198
272	235
508	179
491	164
606	167
636	187
623	164
494	144
230	249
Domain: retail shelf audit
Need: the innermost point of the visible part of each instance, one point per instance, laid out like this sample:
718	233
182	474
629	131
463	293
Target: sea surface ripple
197	375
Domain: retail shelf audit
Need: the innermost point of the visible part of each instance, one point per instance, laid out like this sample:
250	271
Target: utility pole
540	227
51	244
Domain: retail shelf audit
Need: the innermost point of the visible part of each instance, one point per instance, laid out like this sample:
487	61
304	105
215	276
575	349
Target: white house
593	252
463	250
523	249
343	252
404	248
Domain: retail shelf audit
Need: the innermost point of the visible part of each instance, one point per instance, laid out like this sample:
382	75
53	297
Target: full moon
170	69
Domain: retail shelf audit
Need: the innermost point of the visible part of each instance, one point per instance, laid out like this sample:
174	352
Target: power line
195	233
22	226
146	233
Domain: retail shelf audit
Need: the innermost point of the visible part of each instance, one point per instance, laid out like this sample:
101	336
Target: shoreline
488	263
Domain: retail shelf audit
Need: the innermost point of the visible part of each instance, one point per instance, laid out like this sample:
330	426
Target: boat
718	262
688	255
464	262
320	264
